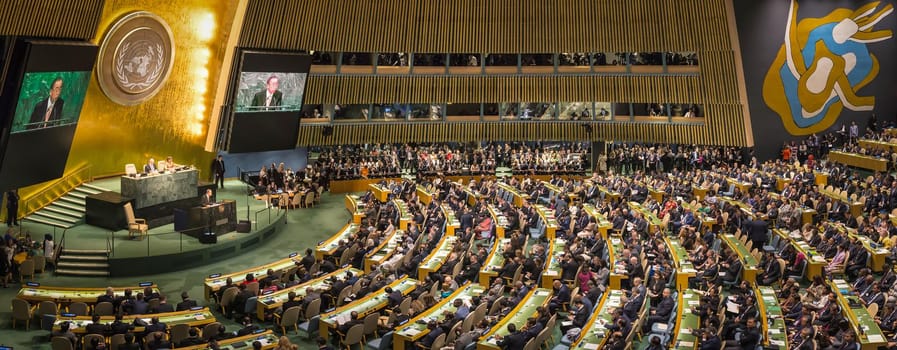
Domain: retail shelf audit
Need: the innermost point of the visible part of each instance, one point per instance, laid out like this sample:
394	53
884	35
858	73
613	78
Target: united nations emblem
135	58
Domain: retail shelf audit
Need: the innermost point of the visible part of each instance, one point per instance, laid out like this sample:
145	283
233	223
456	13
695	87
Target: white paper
876	338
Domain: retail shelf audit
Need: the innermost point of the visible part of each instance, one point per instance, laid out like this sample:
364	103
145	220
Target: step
79	195
85	258
68	198
94	187
82	265
102	252
76	272
85	190
63	211
46	221
53	216
71	206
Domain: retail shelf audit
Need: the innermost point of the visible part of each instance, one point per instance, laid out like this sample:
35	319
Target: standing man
270	97
207	198
12	208
48	109
218	171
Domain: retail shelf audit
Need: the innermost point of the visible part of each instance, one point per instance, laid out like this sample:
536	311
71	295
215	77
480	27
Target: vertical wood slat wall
511	26
69	19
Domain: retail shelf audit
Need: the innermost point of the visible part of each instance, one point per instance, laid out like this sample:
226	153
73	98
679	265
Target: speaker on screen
45	88
267	100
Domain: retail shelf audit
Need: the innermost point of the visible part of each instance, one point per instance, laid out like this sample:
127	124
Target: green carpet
305	227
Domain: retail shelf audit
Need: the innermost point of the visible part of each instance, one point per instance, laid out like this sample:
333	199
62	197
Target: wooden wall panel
512	26
70	19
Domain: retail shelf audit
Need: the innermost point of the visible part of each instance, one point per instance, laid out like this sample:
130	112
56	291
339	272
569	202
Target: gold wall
174	122
514	26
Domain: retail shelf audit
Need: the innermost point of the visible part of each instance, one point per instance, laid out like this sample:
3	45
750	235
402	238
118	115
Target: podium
197	222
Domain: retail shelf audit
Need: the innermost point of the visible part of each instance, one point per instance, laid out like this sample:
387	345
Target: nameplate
294	254
32	284
215	275
145	284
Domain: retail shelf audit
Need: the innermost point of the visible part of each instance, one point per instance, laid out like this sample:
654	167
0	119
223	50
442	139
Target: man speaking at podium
207	198
270	98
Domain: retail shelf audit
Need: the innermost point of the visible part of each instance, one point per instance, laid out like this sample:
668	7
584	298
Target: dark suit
259	100
206	199
40	111
712	343
661	313
218	172
513	341
149	168
186	305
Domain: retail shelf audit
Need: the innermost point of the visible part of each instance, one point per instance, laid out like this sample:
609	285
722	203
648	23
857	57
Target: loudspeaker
244	226
327	131
208	238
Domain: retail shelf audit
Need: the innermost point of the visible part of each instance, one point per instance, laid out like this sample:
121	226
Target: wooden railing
53	190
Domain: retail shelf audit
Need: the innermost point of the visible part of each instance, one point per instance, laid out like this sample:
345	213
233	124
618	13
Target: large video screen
270	91
50	99
40	105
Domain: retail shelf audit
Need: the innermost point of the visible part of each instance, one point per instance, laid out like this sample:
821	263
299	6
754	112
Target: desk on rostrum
150	190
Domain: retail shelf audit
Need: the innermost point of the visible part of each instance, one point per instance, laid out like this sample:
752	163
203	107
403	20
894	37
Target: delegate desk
384	251
815	261
437	257
807	214
220	218
877	254
216	281
451	222
371	303
653	221
36	293
858	160
425	195
686	320
743	186
380	192
404	213
553	191
553	270
869	335
355	208
525	309
472	196
266	337
271	301
517	198
821	178
878	145
414	330
594	334
494	261
684	268
499	221
162	188
548	220
614	247
699	192
750	265
707	222
613	196
601	222
773	324
328	247
193	318
856	207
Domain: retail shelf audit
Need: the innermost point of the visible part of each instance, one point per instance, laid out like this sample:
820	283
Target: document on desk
876	338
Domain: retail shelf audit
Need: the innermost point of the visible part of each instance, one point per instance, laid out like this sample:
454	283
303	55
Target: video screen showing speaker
50	99
267	100
45	88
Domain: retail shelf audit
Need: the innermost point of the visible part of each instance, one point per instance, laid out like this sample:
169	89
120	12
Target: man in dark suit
12	208
427	340
662	312
218	171
49	109
394	297
758	229
96	326
207	198
158	342
514	340
155	326
186	303
709	340
270	97
150	167
561	296
163	306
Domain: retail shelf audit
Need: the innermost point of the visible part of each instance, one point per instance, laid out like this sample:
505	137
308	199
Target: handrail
56	189
59	247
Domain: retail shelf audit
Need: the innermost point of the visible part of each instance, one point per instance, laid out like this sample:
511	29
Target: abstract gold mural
822	65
